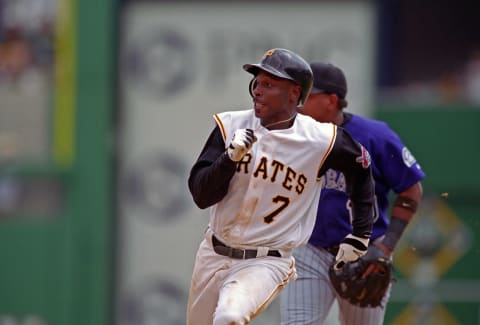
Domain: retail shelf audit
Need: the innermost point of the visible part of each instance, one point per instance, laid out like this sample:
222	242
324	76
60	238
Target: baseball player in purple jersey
260	174
309	299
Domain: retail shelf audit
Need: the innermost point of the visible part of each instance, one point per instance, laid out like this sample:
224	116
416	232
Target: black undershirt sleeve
360	185
211	174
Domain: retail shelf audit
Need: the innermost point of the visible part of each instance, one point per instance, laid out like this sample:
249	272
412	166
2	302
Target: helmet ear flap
252	85
301	98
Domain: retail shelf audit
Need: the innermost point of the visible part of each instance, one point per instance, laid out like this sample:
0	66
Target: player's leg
307	301
208	274
250	286
354	315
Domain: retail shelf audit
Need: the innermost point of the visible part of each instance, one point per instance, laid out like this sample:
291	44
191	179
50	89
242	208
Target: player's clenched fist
241	143
351	248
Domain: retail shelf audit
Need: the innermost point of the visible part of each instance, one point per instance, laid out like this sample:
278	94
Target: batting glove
241	143
351	248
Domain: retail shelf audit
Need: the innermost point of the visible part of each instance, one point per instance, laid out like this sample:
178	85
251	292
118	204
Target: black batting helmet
287	65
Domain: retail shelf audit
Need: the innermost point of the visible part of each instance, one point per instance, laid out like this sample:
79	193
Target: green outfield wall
436	263
56	245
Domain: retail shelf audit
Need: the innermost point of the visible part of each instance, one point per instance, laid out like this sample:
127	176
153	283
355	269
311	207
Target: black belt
238	253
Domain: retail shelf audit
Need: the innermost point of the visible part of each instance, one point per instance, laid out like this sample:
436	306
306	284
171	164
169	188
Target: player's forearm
406	202
403	209
208	183
362	200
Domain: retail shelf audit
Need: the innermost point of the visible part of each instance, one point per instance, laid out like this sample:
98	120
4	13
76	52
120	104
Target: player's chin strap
291	118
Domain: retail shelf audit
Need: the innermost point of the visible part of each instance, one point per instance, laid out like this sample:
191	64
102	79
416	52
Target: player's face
322	107
274	98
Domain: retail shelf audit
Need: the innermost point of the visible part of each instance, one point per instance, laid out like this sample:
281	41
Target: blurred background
105	105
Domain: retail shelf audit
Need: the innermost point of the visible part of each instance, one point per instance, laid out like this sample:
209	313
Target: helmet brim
255	68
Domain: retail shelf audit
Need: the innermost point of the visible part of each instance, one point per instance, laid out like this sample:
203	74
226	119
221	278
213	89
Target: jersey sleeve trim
329	148
221	126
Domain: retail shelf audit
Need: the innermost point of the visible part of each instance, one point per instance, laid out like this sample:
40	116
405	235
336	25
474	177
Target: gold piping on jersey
222	128
327	152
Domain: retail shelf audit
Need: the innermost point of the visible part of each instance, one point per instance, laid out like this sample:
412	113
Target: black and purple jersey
394	169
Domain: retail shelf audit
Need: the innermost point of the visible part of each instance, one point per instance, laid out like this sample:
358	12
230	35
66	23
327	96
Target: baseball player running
259	173
309	299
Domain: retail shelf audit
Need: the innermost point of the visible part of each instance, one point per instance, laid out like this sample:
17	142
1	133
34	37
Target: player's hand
351	248
241	143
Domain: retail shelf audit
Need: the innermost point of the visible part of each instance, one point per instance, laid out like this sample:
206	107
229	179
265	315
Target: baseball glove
364	281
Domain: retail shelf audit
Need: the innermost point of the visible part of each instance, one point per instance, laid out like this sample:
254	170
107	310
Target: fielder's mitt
364	281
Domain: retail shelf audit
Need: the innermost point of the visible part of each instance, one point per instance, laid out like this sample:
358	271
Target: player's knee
229	317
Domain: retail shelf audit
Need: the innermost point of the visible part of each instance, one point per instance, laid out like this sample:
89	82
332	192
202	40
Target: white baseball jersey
273	197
